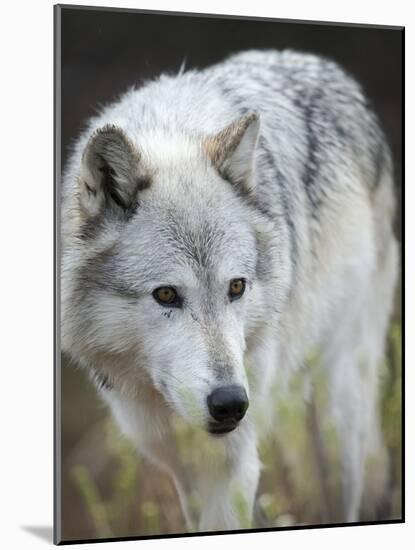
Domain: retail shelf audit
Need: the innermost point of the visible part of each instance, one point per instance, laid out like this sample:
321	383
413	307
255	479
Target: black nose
228	403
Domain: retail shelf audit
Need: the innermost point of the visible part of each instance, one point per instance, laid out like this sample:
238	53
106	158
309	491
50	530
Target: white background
26	232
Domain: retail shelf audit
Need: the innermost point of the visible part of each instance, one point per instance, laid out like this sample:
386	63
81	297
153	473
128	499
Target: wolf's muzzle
227	406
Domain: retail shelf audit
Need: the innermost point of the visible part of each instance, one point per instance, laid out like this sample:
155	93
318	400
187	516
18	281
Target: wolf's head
167	270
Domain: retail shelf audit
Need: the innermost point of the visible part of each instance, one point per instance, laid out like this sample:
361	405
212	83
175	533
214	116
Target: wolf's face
164	281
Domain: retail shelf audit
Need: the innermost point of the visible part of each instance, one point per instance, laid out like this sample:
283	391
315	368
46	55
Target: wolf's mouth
221	428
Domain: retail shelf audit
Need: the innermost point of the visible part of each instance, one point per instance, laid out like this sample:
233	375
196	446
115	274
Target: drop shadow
44	532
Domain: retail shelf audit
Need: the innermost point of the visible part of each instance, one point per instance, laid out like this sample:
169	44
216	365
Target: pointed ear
232	151
110	172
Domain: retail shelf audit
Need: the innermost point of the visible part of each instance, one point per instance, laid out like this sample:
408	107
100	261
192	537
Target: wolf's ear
232	150
109	176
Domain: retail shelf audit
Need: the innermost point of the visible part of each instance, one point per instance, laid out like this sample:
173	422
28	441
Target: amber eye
166	296
236	288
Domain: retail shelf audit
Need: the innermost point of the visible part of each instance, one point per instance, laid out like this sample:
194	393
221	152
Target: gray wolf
217	225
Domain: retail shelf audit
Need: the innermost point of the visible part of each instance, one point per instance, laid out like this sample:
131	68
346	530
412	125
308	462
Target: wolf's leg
353	358
227	493
349	415
149	432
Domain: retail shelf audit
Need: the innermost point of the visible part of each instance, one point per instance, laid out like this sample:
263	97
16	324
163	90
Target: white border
26	272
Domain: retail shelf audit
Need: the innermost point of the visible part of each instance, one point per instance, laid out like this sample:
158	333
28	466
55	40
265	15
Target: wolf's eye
236	288
166	296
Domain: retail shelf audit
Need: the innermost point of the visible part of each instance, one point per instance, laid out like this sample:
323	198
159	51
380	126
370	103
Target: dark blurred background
103	53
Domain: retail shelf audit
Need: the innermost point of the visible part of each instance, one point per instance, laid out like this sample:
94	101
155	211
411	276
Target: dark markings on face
100	273
176	240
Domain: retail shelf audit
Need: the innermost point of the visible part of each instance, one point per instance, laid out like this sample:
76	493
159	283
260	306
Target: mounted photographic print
228	274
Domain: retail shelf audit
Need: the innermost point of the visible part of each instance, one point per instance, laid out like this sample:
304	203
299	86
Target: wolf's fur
269	166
